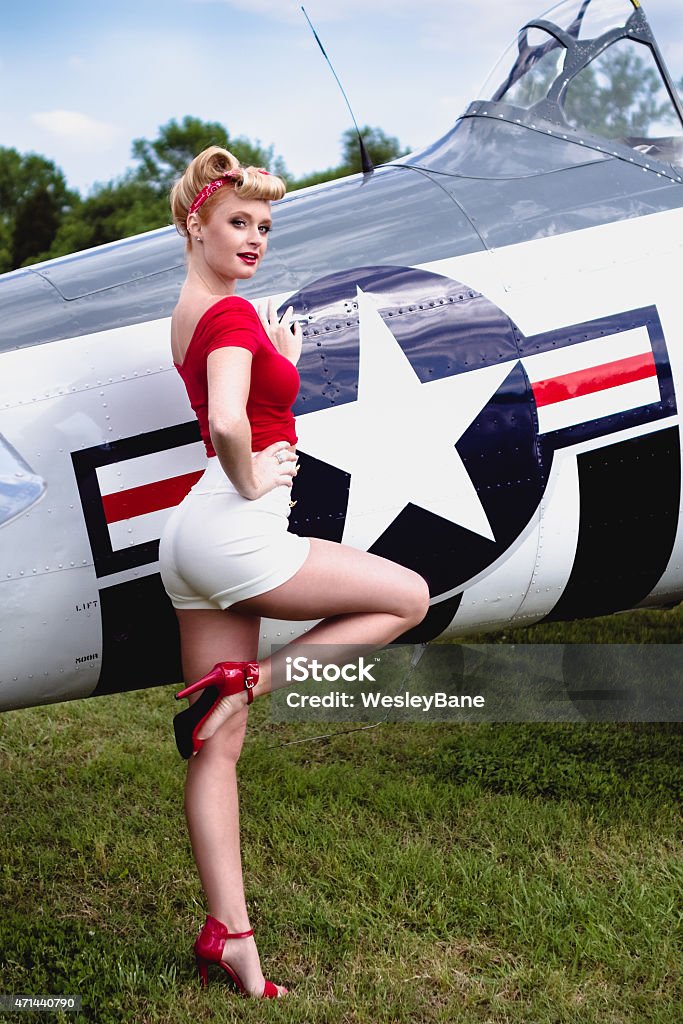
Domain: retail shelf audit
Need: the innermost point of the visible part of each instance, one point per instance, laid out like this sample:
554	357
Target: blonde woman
227	557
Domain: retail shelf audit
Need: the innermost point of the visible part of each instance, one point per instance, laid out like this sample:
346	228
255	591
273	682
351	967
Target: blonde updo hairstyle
210	165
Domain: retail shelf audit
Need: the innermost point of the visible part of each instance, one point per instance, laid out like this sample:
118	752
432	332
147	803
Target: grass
475	874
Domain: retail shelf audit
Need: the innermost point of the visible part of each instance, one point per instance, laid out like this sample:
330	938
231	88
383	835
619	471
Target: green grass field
475	874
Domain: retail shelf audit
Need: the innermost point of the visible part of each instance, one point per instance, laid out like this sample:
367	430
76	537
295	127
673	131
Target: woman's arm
229	378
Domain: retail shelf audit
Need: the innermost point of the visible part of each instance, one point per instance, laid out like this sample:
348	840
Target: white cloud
74	127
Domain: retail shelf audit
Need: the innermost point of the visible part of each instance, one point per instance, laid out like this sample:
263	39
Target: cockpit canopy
594	65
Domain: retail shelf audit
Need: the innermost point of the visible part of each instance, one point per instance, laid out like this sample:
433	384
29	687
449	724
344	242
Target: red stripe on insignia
137	501
595	378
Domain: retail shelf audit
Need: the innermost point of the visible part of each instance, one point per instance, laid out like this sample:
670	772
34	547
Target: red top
233	321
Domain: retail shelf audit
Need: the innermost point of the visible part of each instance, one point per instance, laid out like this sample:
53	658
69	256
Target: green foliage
493	874
164	159
34	199
138	201
619	95
43	219
112	211
381	149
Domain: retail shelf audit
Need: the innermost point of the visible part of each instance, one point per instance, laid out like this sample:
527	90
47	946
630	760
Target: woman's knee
415	598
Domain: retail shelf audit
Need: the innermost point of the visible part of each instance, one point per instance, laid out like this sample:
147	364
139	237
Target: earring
198	239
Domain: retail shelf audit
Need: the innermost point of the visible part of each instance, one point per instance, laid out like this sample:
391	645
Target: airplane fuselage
491	362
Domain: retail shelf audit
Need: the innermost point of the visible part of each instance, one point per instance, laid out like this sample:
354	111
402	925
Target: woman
226	555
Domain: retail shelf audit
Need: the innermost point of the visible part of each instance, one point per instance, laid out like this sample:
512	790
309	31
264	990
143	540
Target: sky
81	80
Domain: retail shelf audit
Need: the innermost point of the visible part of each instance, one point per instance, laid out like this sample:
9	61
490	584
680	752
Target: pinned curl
205	177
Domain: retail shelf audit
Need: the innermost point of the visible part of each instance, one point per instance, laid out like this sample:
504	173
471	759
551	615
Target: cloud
73	127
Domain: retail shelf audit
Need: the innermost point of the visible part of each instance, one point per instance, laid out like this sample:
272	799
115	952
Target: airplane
492	357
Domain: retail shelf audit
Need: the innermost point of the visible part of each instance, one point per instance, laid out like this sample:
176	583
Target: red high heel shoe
208	949
225	679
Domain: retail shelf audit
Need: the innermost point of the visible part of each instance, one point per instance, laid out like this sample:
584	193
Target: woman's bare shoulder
191	307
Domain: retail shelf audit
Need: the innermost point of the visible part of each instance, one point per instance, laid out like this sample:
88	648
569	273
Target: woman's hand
275	466
285	332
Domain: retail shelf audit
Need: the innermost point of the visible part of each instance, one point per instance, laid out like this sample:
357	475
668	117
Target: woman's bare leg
211	800
364	601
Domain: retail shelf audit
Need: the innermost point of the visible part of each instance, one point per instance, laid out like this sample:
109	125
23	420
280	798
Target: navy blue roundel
447	329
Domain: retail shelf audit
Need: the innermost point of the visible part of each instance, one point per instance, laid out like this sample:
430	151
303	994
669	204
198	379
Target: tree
34	199
381	148
138	200
163	160
619	95
112	211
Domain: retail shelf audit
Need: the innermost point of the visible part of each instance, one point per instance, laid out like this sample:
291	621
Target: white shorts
218	548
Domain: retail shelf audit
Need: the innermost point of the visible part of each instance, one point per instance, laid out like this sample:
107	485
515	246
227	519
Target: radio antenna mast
366	162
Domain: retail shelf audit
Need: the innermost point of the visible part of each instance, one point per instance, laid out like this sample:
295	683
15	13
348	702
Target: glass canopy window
589	20
594	65
620	95
20	487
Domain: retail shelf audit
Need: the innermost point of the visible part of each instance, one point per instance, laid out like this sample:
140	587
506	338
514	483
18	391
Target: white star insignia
397	441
